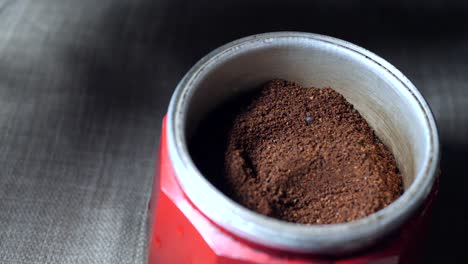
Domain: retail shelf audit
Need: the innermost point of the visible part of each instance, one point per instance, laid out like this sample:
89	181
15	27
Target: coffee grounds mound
298	154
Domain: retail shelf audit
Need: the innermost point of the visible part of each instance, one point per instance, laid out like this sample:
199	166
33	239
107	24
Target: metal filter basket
222	231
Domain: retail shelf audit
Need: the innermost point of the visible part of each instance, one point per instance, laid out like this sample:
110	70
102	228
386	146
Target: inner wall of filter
390	110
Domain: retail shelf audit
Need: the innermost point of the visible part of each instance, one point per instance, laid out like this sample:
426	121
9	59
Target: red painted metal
180	233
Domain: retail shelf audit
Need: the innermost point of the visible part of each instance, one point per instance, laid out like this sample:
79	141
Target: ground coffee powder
298	154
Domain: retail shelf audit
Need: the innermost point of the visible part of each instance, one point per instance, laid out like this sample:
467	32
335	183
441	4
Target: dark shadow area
141	49
206	25
125	76
449	227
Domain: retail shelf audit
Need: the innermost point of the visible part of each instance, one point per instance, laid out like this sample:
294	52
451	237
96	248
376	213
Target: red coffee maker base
180	233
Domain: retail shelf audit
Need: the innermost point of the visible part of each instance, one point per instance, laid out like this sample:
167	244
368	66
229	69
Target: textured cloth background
84	85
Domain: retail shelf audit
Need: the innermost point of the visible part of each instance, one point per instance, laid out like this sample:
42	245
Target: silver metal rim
326	239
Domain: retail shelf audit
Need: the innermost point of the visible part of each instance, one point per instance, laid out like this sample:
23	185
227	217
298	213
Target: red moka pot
193	222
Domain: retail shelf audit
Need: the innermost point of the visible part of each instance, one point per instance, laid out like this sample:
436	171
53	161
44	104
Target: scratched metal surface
84	85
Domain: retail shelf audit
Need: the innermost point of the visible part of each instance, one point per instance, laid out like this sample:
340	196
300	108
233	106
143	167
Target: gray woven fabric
84	85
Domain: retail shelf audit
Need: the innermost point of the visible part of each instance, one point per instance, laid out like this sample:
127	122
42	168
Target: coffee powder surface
298	154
